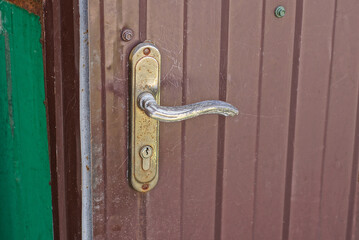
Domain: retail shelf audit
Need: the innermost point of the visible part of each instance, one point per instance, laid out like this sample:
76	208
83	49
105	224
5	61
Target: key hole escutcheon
146	153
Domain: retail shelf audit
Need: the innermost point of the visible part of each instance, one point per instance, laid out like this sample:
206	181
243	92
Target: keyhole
146	152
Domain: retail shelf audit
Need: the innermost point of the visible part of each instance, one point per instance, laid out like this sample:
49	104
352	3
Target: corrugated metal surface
61	58
285	168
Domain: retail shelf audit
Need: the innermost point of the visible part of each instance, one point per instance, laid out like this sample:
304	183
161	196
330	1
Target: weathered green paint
25	192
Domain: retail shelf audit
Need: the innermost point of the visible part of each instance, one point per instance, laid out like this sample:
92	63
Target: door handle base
145	64
146	112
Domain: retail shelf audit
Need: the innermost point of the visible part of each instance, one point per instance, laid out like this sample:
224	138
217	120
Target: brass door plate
145	64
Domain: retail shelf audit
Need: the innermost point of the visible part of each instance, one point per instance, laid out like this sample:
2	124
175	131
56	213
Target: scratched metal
148	104
145	63
285	168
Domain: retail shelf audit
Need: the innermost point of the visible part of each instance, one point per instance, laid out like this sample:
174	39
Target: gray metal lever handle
148	103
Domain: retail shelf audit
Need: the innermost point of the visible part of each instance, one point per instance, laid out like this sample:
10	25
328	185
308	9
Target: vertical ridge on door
164	223
292	119
310	119
116	209
353	202
341	120
183	125
96	102
103	111
200	146
274	99
244	45
222	93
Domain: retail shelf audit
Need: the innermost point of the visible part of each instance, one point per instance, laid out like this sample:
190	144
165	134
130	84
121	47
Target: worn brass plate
145	64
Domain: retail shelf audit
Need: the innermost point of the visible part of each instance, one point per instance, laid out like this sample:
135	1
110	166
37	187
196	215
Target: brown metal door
285	168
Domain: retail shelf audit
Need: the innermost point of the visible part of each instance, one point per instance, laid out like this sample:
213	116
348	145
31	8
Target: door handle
147	103
146	112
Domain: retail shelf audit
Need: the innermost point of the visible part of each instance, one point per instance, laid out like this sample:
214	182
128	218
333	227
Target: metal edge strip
85	132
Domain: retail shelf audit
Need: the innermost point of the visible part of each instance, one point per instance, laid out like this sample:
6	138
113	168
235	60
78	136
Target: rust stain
32	6
87	167
146	51
145	186
116	228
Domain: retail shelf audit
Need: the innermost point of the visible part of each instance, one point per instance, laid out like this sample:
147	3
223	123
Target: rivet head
146	51
127	35
279	12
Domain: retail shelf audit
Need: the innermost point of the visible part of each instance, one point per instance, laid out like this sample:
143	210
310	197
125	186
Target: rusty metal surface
285	168
60	34
32	6
109	118
145	63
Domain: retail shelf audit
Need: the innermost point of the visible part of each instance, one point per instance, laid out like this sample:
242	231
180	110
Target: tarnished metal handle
148	103
146	114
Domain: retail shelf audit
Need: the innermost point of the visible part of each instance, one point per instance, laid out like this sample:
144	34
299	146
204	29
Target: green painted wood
25	192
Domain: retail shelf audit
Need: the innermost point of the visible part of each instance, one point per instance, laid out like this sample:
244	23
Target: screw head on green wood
279	12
